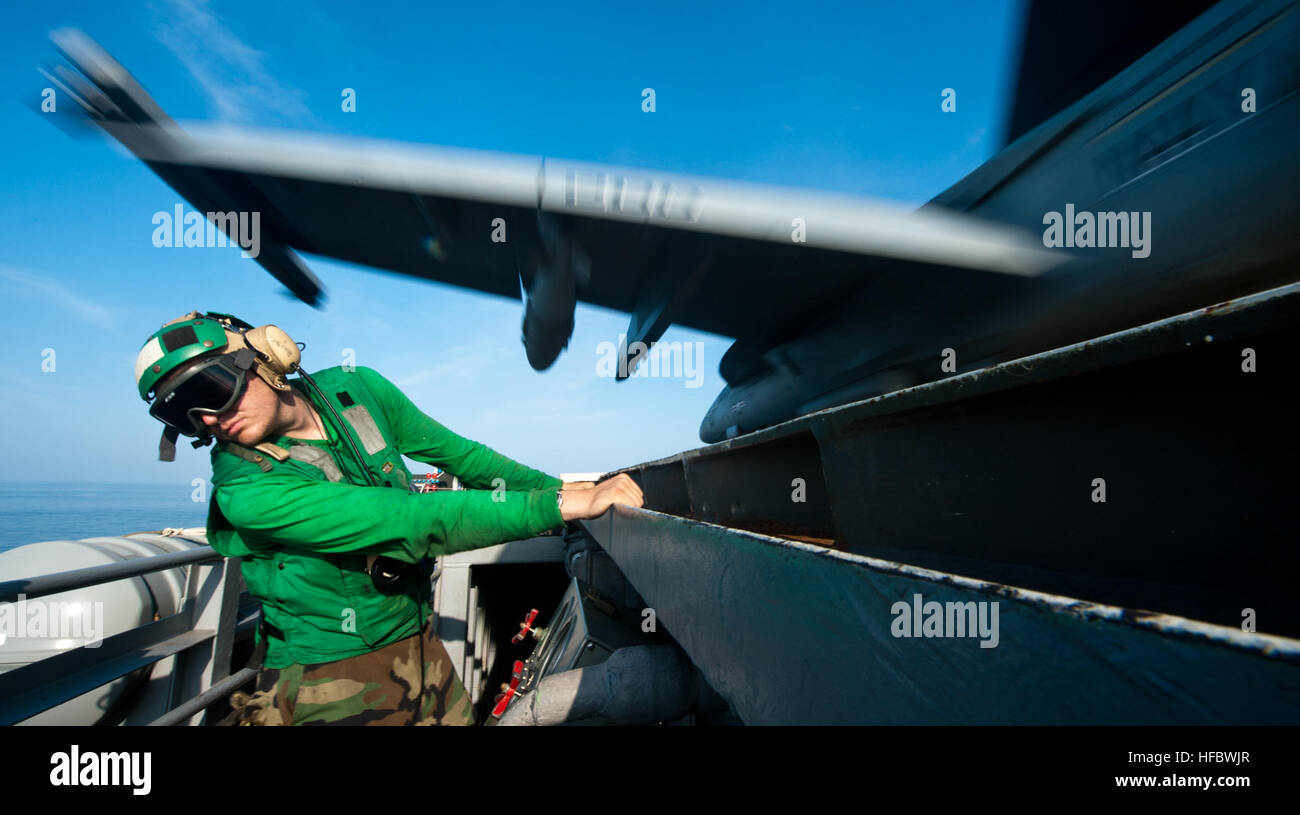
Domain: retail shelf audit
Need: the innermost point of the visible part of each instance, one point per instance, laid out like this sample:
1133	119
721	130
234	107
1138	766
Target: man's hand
591	502
578	485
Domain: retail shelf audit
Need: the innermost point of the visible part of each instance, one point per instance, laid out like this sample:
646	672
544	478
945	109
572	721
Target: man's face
251	419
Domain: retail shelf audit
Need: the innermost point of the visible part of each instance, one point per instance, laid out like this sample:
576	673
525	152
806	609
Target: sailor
310	491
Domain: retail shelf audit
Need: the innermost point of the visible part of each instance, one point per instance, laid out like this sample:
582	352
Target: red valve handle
503	698
525	627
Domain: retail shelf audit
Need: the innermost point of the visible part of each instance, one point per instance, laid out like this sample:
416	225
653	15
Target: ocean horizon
32	512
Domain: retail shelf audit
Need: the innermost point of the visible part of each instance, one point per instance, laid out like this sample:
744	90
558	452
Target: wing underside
745	261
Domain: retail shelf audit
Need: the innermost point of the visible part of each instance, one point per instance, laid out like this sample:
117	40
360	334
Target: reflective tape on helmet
149	354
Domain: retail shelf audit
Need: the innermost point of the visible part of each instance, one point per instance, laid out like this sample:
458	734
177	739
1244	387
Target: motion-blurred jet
1180	117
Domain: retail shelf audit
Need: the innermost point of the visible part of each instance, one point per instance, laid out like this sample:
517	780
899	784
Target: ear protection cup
277	353
276	350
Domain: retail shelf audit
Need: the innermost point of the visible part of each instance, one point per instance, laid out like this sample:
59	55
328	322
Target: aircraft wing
740	260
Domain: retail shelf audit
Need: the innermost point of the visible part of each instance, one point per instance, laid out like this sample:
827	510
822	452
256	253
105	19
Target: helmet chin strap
167	444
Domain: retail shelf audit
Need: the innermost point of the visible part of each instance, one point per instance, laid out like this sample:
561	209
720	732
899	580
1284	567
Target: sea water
35	511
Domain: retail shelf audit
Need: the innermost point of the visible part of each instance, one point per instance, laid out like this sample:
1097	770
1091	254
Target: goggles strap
167	444
245	358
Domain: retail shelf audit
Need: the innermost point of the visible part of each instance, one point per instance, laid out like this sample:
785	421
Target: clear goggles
212	386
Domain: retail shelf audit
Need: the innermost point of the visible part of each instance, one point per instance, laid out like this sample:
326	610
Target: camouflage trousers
410	682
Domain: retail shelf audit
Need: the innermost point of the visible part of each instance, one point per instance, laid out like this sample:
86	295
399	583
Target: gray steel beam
211	604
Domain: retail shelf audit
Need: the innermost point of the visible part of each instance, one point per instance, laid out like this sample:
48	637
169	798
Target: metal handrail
147	644
46	584
185	710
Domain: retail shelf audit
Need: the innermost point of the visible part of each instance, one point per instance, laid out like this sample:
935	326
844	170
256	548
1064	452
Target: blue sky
841	97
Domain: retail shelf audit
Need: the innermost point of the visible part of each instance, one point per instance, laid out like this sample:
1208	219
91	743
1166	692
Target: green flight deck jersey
305	523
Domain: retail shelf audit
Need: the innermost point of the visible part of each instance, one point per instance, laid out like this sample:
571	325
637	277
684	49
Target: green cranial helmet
175	344
198	365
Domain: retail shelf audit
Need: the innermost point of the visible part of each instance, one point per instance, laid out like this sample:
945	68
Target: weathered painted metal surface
791	633
1186	423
